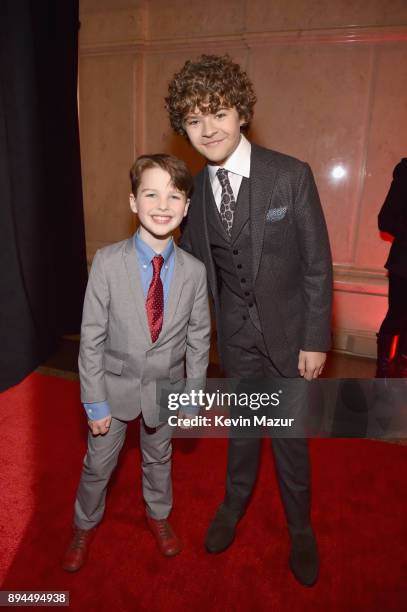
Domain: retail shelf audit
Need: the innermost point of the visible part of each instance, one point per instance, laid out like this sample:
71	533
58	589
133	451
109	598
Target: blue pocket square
276	214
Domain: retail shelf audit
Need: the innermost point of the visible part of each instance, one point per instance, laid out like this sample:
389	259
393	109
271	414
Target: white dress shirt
237	165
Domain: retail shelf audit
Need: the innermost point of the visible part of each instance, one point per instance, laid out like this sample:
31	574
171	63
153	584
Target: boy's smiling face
159	204
214	135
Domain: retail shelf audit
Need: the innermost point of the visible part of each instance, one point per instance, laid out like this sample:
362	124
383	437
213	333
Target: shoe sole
72	570
217	551
170	554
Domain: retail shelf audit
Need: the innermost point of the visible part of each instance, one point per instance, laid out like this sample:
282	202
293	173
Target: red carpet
359	512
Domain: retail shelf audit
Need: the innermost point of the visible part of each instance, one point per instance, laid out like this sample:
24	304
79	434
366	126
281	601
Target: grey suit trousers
101	459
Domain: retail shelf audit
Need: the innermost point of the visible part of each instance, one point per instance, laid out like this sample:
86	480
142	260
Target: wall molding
248	40
363	281
354	342
347	279
113	48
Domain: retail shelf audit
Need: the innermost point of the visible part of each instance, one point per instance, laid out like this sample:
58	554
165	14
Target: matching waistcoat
232	258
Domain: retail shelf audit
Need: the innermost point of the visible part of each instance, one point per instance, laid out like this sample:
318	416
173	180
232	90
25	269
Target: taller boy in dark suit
256	222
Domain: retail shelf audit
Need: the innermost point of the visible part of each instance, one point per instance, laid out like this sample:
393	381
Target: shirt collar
145	253
238	162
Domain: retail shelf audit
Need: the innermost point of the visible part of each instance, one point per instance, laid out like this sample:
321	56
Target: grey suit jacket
291	260
118	361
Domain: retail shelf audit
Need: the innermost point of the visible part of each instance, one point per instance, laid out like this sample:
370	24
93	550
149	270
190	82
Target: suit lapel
133	273
205	241
262	182
177	283
242	210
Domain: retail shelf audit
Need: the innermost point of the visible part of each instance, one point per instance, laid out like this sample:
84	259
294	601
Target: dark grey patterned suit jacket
291	257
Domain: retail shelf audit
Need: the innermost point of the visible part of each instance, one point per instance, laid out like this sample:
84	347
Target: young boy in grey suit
256	222
145	317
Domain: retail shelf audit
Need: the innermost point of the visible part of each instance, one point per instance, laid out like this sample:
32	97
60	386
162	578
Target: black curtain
42	244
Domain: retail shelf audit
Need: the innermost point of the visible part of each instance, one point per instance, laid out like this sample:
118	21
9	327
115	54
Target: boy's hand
311	364
100	426
182	415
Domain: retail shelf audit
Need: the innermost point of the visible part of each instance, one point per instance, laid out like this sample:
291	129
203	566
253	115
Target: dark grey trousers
245	356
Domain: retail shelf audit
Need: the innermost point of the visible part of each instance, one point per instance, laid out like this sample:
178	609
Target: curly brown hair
209	83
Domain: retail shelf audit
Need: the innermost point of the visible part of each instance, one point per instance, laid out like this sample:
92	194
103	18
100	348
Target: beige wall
331	80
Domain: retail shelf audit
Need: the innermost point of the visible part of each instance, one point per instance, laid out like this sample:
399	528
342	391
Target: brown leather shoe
77	550
168	542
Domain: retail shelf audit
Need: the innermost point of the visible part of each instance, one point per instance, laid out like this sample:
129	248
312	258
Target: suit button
235	252
239	266
244	318
242	280
247	293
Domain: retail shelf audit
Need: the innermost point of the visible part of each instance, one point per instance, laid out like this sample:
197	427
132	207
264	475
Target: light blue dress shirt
144	255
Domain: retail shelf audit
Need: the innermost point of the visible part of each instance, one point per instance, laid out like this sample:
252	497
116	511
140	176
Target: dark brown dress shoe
77	551
168	542
221	532
304	559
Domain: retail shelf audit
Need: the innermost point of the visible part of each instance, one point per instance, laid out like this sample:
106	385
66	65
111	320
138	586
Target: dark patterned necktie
155	299
227	201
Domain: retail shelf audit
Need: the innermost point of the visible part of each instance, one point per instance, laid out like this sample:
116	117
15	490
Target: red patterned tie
155	299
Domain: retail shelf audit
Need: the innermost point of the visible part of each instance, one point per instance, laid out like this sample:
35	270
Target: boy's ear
133	203
243	121
186	207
